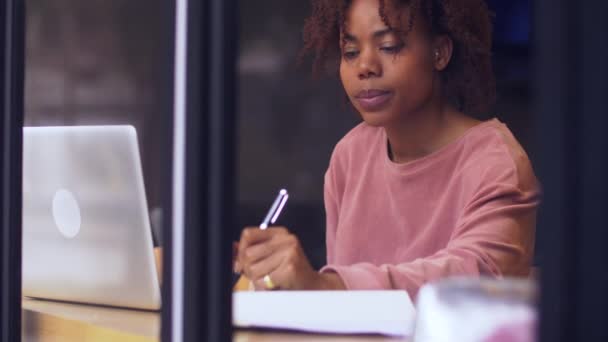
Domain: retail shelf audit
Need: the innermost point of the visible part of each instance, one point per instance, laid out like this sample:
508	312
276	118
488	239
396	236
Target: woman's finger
249	237
258	270
279	277
236	267
260	251
253	236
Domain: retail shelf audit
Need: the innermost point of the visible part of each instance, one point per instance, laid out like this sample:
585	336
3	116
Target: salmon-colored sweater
466	209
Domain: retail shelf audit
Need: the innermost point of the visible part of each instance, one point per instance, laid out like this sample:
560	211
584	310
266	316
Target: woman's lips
373	99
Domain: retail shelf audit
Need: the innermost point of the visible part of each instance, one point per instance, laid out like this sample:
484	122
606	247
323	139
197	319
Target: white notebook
340	312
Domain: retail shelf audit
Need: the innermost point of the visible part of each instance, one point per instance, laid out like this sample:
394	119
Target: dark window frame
11	132
571	85
203	203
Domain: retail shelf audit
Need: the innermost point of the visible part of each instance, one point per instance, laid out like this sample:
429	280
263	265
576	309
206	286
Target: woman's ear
442	52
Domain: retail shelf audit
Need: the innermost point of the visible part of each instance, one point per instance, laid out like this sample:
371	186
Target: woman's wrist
330	281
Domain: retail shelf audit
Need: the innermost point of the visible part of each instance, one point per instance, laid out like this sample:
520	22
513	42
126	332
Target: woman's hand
276	253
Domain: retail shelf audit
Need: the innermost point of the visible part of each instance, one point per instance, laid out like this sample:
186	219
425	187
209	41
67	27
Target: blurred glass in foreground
466	309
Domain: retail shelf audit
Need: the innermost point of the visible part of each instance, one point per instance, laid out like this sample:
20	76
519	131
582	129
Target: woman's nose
369	66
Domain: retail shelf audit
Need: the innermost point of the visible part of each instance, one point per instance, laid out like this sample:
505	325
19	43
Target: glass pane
93	187
290	122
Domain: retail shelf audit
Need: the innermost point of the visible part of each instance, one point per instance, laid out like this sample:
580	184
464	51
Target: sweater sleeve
494	236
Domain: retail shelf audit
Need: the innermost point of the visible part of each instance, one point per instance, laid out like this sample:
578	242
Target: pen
275	209
270	218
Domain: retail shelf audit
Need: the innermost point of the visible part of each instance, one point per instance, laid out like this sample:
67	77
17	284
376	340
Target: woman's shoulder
493	148
494	138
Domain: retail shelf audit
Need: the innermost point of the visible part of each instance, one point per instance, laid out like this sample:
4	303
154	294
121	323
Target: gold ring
268	282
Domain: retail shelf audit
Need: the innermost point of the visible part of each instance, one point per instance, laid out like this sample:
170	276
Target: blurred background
108	61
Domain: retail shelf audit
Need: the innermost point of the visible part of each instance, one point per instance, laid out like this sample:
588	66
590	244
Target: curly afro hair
468	80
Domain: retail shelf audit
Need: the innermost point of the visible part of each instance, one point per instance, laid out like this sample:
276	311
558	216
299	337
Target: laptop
86	228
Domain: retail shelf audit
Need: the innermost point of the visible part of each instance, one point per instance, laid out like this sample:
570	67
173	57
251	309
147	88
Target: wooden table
53	321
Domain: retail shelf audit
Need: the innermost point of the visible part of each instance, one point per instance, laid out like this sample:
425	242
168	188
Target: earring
436	54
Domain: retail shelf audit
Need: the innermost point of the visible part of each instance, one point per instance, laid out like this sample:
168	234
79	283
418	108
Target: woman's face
386	77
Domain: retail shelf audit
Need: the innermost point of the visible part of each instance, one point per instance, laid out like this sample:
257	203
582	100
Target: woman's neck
426	131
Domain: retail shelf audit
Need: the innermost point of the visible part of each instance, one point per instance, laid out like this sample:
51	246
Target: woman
419	190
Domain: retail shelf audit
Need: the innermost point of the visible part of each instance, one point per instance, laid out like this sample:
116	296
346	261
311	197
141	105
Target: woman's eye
392	49
350	54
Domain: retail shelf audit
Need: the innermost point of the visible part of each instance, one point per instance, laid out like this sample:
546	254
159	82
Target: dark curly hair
468	80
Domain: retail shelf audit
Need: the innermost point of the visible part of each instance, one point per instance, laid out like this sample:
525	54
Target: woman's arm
495	236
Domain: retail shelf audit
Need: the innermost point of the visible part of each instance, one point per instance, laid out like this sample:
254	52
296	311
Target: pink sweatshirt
466	209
